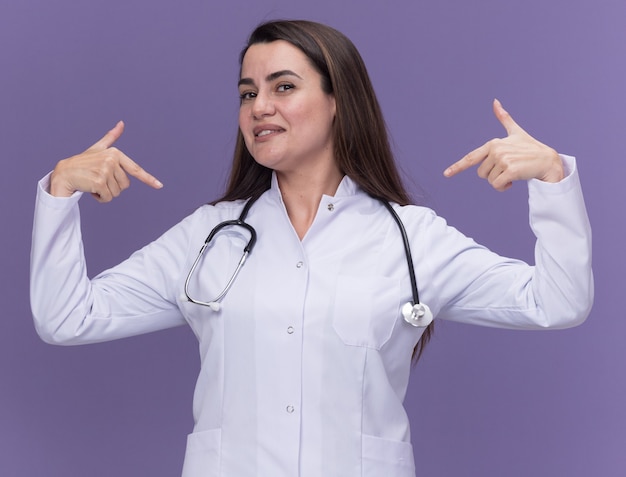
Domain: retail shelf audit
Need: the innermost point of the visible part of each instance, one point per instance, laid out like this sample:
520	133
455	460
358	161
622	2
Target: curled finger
487	168
122	179
102	195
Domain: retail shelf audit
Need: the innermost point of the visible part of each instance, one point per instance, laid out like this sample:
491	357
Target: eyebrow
270	77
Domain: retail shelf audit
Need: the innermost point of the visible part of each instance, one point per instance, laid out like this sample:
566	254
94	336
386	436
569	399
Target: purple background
483	402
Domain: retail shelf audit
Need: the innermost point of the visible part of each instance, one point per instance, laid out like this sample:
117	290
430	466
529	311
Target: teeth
265	132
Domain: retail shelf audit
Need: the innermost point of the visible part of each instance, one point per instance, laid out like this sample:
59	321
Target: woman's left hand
518	156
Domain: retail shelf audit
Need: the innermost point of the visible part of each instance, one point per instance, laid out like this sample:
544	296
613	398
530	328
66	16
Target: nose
262	106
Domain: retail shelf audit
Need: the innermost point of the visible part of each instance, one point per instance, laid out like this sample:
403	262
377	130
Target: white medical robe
305	367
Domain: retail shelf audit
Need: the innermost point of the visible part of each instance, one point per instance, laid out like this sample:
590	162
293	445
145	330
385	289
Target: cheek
302	117
318	122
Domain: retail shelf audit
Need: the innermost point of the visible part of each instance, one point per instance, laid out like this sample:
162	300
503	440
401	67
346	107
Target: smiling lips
261	132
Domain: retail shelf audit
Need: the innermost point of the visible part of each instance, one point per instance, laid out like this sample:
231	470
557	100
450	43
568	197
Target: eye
284	87
247	95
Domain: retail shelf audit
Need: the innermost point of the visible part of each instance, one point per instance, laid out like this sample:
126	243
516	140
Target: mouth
264	131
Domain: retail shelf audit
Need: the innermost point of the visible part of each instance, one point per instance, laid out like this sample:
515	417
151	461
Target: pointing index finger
470	159
138	172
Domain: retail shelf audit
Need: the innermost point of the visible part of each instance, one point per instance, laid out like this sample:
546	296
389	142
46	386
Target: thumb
109	138
505	118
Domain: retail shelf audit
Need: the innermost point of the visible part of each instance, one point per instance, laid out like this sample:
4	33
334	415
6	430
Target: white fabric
306	365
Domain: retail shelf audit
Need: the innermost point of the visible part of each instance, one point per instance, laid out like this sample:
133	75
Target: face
285	117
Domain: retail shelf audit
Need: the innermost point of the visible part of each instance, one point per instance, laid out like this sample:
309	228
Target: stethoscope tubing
407	250
415	313
239	222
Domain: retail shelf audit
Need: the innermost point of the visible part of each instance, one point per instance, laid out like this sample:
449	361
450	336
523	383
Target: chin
269	161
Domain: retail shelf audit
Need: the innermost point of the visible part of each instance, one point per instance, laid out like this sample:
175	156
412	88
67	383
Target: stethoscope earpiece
418	315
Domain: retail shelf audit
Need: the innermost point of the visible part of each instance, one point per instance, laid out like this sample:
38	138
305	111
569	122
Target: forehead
265	58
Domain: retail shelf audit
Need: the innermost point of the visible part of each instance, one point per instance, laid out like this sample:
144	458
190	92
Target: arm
135	297
558	290
479	287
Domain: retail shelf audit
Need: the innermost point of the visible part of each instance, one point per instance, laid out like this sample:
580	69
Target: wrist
555	171
58	186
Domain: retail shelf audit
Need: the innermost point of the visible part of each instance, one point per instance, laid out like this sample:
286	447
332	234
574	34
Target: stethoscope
415	313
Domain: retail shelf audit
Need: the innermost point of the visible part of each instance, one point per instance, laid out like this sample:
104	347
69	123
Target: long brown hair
360	140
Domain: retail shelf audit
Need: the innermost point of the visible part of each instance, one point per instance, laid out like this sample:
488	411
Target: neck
302	193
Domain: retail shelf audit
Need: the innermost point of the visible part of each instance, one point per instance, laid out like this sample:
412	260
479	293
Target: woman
306	357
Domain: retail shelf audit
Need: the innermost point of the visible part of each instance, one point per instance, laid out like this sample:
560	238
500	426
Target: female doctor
306	348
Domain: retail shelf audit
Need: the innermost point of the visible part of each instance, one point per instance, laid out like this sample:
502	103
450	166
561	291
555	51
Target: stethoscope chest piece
418	315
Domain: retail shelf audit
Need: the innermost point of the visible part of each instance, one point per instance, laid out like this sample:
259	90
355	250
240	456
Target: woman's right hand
102	170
